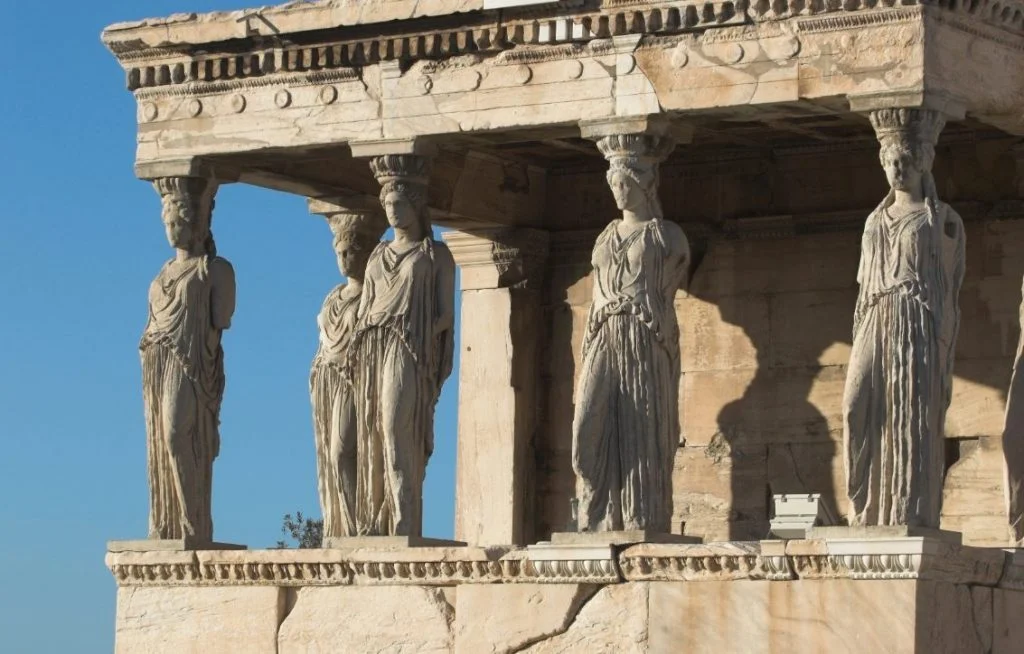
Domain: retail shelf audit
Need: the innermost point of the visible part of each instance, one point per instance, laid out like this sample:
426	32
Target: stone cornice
219	52
219	49
897	558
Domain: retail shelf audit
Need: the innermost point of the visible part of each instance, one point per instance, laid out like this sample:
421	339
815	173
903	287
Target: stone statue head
907	138
633	175
355	236
187	209
403	180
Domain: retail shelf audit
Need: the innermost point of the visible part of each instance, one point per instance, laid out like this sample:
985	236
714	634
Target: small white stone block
795	515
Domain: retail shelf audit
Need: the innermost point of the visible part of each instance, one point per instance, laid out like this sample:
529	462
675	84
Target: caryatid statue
1013	446
905	324
626	426
401	353
191	303
1013	430
334	407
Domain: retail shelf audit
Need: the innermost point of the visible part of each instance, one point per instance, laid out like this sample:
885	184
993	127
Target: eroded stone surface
198	620
849	617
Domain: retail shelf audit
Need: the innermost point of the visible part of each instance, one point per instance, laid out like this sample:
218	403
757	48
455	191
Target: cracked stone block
614	621
501	619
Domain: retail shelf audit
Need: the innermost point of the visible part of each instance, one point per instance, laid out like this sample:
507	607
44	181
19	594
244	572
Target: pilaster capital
502	257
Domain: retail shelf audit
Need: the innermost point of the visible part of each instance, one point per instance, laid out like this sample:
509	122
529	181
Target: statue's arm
678	257
861	304
954	254
444	319
222	302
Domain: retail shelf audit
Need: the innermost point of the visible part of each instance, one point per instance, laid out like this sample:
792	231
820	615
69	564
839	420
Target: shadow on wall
775	439
766	337
764	351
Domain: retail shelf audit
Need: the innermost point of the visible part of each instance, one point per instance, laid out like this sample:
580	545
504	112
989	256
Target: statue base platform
628	537
386	542
894	595
186	544
884	533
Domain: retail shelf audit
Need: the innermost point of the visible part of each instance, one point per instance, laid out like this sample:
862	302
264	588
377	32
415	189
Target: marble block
187	544
629	537
387	542
189	620
884	533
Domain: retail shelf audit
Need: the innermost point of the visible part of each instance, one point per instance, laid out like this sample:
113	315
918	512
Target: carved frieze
898	558
419	567
713	562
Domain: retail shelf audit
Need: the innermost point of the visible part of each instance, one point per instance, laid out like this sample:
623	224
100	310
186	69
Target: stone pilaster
502	273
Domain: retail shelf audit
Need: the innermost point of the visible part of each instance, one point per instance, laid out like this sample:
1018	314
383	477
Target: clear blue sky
81	240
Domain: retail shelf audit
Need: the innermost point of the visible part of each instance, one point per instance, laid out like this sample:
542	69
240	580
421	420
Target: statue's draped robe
183	383
334	416
397	365
626	425
900	373
1013	445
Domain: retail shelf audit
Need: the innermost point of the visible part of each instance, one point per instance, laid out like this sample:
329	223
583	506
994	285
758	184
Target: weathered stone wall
820	595
901	616
766	324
